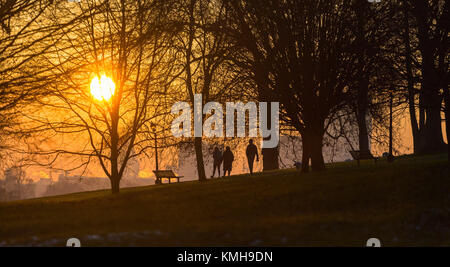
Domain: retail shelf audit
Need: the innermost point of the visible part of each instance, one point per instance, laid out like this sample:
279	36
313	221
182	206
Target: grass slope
403	204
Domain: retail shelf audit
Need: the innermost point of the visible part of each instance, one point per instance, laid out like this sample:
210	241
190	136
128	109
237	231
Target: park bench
362	155
166	174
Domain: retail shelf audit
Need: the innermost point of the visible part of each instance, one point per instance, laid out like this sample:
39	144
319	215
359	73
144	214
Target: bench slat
166	174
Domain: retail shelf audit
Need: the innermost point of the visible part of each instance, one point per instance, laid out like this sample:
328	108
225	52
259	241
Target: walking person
252	152
217	157
228	159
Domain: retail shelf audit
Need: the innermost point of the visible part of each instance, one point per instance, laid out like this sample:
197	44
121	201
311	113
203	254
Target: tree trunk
447	118
312	141
115	184
431	139
431	135
411	90
391	128
317	161
362	9
363	106
270	159
198	145
270	155
115	176
306	154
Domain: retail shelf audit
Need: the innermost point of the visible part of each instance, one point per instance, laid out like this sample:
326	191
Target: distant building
17	186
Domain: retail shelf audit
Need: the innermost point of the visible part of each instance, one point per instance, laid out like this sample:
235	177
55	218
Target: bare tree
372	30
430	18
303	55
113	70
420	59
21	42
26	37
203	51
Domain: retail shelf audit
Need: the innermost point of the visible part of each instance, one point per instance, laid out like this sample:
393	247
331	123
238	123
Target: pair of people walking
228	157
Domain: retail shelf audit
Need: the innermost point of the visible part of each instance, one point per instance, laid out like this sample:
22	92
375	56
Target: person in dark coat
252	152
217	157
228	159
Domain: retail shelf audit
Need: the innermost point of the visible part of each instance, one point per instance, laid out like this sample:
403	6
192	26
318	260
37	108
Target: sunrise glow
103	88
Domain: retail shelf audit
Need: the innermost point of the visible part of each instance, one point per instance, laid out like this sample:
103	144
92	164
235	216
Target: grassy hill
403	204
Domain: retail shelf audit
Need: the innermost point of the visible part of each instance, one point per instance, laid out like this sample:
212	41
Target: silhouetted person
217	156
252	152
228	159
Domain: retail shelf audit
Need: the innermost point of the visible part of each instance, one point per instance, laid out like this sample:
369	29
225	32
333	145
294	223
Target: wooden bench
166	174
362	155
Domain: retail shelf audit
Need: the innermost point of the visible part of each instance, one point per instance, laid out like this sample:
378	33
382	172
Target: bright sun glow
103	88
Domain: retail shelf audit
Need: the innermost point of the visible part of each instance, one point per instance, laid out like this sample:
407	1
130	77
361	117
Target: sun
102	88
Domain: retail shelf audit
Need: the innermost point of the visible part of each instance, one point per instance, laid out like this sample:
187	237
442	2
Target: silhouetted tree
372	33
203	51
22	40
431	21
411	90
303	56
126	41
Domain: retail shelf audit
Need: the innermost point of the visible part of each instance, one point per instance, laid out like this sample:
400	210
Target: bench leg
178	180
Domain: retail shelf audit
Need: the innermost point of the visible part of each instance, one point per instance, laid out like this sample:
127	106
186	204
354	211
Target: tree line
324	61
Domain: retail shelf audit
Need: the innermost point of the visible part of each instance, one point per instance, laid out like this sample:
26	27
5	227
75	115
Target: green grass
406	203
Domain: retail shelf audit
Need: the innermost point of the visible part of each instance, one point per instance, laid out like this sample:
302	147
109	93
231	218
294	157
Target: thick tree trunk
312	141
431	138
270	159
431	135
198	145
115	184
270	155
317	161
306	155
